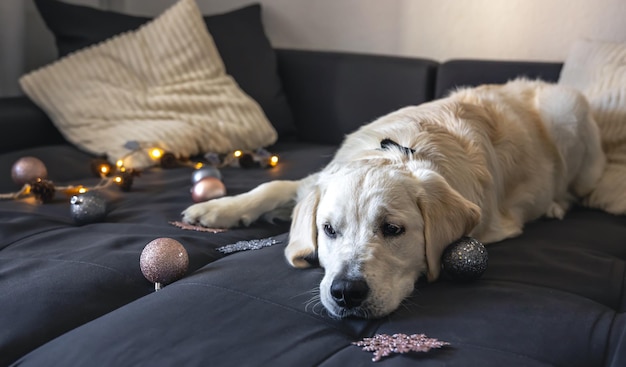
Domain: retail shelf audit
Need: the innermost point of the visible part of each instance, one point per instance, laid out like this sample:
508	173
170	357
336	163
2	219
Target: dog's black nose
349	293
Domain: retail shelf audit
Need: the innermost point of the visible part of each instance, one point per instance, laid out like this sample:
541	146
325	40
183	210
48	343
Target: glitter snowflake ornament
383	345
248	245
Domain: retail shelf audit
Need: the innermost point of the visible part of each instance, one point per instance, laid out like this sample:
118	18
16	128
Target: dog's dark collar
388	143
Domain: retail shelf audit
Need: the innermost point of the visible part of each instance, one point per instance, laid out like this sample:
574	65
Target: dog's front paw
556	210
217	213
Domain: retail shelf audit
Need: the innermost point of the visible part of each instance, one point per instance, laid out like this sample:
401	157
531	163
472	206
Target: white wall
438	29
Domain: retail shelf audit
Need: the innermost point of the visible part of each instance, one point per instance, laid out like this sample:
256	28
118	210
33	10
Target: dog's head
376	230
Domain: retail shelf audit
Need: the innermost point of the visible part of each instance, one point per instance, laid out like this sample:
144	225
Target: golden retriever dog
481	162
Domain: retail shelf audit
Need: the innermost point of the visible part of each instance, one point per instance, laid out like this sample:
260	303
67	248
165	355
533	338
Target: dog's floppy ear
301	252
447	217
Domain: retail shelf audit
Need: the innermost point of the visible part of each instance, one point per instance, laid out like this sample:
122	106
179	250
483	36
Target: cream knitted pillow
162	85
598	69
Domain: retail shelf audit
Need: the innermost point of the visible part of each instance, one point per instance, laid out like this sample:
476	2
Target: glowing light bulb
119	163
238	153
273	161
199	165
156	153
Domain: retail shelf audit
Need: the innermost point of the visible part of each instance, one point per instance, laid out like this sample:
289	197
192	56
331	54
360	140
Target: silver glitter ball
464	260
205	172
88	208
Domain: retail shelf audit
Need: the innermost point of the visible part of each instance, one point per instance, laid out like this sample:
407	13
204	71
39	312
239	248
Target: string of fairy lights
32	175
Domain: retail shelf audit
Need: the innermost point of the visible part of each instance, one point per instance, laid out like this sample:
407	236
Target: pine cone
126	179
247	161
43	190
168	160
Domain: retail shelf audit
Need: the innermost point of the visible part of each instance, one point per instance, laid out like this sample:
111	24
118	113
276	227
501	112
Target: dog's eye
330	231
392	230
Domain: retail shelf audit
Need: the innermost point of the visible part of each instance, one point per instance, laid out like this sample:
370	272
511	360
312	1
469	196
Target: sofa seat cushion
251	308
56	275
239	36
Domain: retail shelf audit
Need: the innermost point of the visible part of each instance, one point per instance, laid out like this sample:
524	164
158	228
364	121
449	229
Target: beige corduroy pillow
162	85
598	69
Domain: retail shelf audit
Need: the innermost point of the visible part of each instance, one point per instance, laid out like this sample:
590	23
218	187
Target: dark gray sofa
75	296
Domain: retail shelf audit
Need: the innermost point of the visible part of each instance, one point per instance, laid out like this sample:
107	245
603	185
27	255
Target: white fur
486	160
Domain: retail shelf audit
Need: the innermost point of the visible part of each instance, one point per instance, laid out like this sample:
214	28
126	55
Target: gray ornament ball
88	208
464	260
205	172
163	261
28	169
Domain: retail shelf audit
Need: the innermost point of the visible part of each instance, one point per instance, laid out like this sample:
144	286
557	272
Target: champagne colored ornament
464	260
89	207
163	261
205	172
28	169
206	189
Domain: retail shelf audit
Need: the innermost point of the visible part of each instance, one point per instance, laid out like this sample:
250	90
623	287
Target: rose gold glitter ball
28	169
163	261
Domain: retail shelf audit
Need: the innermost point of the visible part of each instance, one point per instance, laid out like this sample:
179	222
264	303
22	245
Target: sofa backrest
332	94
457	73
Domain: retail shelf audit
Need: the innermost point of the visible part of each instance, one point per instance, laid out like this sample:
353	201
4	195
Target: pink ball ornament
207	188
28	169
163	261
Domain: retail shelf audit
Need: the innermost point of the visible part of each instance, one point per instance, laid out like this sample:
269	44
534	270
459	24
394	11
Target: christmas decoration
43	190
243	159
247	245
169	160
464	260
125	178
31	173
100	167
163	261
191	227
88	207
204	172
28	169
207	188
383	345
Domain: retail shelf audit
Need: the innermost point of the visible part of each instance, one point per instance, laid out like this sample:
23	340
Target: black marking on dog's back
388	143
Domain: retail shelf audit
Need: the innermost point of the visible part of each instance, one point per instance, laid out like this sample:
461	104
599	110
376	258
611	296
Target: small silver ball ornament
89	207
464	260
205	172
